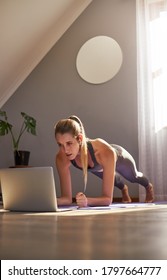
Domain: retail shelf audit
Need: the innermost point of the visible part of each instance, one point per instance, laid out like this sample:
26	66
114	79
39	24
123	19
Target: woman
98	157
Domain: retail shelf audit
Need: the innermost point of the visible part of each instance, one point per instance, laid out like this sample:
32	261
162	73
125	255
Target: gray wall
54	90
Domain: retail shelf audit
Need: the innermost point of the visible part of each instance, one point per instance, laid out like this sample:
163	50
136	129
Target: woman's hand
81	200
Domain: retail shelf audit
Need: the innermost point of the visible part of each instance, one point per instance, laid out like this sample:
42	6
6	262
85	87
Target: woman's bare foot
125	195
149	193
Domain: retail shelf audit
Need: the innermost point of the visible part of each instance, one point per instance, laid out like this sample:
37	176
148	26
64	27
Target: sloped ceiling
28	30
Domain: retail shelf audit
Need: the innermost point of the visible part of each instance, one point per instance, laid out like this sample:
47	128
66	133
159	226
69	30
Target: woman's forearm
64	201
99	201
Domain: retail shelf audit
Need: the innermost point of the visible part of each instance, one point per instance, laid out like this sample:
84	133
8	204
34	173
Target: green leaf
3	114
30	123
4	128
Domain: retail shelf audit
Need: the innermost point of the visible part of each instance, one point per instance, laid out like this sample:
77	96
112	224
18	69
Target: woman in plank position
107	161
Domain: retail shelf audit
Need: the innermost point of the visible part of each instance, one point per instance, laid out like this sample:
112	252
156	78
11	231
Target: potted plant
28	125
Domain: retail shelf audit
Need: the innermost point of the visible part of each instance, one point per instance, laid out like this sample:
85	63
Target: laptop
29	189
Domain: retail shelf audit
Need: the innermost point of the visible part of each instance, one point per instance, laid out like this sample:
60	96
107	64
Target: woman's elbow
108	201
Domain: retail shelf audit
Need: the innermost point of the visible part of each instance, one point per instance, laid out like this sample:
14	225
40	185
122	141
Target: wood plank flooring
127	235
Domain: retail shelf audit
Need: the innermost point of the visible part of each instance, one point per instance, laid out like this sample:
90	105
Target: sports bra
97	167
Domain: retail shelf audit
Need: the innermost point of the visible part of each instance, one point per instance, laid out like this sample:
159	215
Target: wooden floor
126	235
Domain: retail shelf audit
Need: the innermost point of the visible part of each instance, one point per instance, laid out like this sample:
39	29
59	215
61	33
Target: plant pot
21	157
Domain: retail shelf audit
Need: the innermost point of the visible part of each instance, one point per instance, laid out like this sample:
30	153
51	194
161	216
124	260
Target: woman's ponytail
84	150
